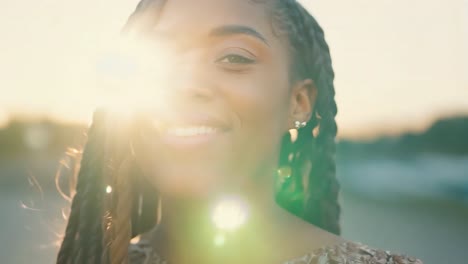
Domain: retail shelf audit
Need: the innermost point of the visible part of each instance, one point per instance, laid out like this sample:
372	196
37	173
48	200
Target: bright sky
399	64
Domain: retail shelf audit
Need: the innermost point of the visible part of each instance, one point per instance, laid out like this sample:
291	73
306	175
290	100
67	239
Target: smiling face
228	100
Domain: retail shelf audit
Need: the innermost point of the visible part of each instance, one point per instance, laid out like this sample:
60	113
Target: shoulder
353	252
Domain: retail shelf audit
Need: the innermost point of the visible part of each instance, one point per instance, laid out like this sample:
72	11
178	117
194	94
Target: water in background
418	205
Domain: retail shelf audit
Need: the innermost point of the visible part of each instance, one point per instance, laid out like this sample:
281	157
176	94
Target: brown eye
235	59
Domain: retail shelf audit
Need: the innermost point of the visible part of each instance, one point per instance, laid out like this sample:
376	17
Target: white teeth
191	131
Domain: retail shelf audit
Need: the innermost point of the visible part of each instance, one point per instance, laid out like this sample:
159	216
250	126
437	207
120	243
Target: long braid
117	218
100	224
72	245
121	226
123	218
325	173
312	60
91	206
68	242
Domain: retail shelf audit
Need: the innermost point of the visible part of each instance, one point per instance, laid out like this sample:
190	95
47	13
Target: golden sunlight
229	214
131	76
219	240
51	56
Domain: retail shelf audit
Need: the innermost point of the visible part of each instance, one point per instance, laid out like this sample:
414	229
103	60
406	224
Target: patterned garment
344	253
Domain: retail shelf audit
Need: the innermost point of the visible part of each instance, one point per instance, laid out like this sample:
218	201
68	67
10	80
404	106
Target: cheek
261	103
260	99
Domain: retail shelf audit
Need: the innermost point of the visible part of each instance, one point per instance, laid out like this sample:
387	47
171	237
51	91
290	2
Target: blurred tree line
445	136
46	137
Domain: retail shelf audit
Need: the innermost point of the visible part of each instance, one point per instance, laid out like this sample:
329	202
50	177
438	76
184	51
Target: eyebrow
237	29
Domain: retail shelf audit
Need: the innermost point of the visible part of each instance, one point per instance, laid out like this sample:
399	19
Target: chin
189	182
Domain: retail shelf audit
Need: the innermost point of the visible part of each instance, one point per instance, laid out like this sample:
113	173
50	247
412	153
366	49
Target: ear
302	101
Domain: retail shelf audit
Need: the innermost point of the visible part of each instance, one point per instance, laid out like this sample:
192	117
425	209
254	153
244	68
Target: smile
190	131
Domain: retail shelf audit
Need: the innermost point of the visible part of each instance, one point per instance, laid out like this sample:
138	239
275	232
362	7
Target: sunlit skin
226	69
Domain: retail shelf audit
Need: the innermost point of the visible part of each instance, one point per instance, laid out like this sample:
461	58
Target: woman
210	173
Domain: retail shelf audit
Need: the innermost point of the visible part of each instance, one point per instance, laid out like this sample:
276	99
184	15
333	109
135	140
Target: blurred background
402	91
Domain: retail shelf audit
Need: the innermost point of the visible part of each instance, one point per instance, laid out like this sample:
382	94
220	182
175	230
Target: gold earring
299	124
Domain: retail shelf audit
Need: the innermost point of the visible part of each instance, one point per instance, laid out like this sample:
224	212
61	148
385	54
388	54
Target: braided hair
113	202
101	224
315	147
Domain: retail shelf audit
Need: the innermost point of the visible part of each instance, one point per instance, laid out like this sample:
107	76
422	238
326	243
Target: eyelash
243	60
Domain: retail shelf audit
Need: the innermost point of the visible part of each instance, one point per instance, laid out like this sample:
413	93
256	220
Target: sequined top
345	253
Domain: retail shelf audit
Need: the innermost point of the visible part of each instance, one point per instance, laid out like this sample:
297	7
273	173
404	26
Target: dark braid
68	242
101	224
312	60
85	205
90	231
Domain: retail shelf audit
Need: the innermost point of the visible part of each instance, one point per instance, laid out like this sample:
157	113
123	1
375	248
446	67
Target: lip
185	142
219	126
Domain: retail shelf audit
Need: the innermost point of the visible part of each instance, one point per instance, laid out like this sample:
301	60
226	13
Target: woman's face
228	99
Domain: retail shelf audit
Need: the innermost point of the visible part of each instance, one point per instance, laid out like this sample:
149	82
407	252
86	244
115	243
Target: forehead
190	16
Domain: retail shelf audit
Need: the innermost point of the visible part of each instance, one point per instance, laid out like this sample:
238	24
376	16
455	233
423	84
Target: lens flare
132	75
230	214
219	240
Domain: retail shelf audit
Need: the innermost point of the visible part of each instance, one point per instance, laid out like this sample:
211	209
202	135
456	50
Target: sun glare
219	240
130	76
230	214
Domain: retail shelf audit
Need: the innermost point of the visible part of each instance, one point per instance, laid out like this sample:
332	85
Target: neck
187	233
187	227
